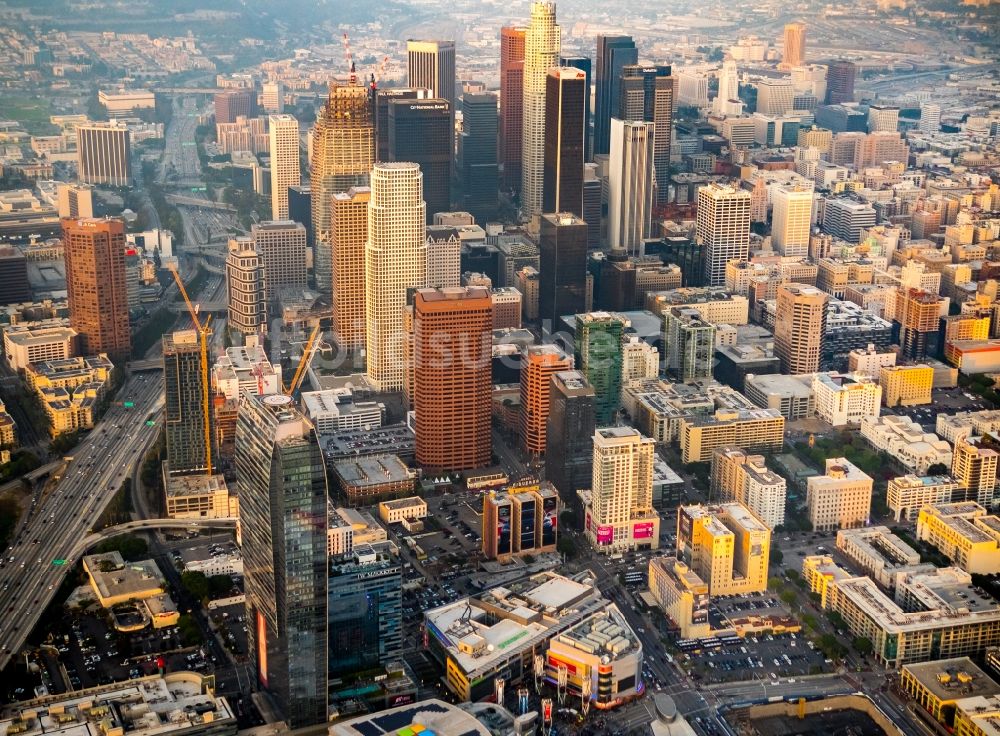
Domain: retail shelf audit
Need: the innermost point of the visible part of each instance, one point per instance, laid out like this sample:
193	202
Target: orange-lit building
348	232
452	380
511	104
541	362
95	283
917	315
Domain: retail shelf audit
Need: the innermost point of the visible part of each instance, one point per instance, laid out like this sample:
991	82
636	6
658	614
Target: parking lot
759	658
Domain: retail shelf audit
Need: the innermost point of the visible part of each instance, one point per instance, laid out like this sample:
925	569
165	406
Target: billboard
527	524
605	534
503	528
587	522
550	521
642	530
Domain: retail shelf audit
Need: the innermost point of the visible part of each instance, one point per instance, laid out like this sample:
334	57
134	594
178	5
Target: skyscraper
563	266
186	410
649	93
799	328
273	97
540	364
542	42
598	347
283	514
431	65
94	252
477	147
348	235
104	154
343	151
630	185
614	53
569	443
421	131
883	119
794	53
840	82
565	100
395	260
452	349
282	246
584	64
592	205
383	96
727	100
916	323
246	288
511	104
722	228
792	221
283	134
621	514
930	117
233	103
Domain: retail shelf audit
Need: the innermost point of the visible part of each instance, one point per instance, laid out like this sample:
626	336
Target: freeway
67	510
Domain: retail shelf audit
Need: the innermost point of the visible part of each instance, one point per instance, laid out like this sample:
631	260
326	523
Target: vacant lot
31	111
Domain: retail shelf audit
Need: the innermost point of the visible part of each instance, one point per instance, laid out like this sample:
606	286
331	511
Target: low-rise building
880	554
199	497
681	594
8	429
906	442
70	390
941	685
347	528
907	494
398	510
792	396
755	430
840	499
964	533
520	520
843	399
337	409
967	423
246	368
115	584
906	385
868	361
25	344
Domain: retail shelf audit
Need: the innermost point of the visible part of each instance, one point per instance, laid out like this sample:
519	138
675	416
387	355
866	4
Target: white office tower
542	45
273	98
283	135
728	102
722	228
792	219
395	260
630	185
810	80
883	119
775	96
930	117
692	88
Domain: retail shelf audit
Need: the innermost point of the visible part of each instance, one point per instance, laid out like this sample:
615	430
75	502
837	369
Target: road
69	508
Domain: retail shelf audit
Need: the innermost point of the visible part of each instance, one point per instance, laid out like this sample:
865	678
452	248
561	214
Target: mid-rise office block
690	344
348	235
542	44
97	292
283	132
563	258
540	364
964	533
614	53
570	428
477	155
722	228
14	285
343	151
906	385
104	154
846	399
726	545
883	119
282	247
272	97
75	200
522	519
232	104
421	131
974	466
744	478
840	499
800	324
755	430
775	97
649	93
186	410
511	104
846	218
916	321
792	223
840	82
283	514
630	185
682	595
565	105
907	494
598	347
452	331
246	288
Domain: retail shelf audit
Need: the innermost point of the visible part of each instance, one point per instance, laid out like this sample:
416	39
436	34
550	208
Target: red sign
642	530
605	534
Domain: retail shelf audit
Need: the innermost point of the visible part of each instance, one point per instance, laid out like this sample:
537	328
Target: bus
686	645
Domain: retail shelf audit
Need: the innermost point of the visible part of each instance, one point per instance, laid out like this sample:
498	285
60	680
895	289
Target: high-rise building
722	228
96	288
800	322
511	104
104	154
648	93
283	135
421	131
283	515
365	611
542	43
916	323
234	103
775	97
592	205
846	218
540	364
565	103
395	261
930	117
343	151
614	53
348	235
14	285
794	53
792	220
383	96
563	258
598	350
282	246
300	210
974	467
272	98
620	515
477	154
840	82
75	200
186	411
883	119
246	288
727	101
583	63
726	545
569	443
743	477
689	343
452	381
630	185
431	65
444	256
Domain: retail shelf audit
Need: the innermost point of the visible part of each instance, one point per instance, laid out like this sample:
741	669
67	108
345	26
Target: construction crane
304	361
349	58
203	333
379	73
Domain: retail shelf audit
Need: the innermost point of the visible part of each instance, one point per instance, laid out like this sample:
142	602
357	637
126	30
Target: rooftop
428	716
373	470
951	679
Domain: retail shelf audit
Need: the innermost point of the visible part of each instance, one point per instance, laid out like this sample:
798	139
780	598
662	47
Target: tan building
725	545
113	583
755	430
744	478
8	430
246	288
906	385
974	466
681	594
526	281
506	308
283	133
23	344
282	247
540	364
402	509
799	326
840	499
348	232
946	688
907	494
964	533
200	497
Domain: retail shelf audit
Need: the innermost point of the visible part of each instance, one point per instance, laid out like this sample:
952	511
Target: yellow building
200	497
70	390
964	533
401	509
8	437
906	385
977	716
115	583
939	685
681	594
755	430
726	545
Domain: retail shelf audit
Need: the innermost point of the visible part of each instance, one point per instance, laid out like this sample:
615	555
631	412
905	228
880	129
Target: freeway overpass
137	366
199	202
145	525
214	307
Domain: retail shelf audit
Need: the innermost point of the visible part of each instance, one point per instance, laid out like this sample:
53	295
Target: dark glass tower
584	64
477	148
562	182
613	54
420	131
185	411
563	278
569	444
283	513
649	93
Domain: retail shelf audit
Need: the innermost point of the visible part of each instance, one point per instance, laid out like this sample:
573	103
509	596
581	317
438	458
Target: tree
196	584
190	634
788	596
938	469
836	619
863	645
566	546
792	574
219	585
130	547
776	556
